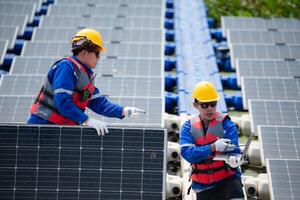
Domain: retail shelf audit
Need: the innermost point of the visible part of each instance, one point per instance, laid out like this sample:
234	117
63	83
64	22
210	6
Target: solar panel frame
114	50
256	23
106	67
3	49
111	35
283	176
15	109
260	51
266	68
9	33
278	142
269	88
262	37
100	22
278	113
56	162
106	11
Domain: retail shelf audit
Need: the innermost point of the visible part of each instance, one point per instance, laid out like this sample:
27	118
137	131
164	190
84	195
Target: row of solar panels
266	53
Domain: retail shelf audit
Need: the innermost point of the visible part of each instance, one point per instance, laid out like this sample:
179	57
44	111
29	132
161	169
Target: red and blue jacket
195	144
60	100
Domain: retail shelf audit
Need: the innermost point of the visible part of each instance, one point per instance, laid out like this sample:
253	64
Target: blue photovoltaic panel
274	112
117	3
279	142
263	37
267	68
284	176
260	51
50	162
270	88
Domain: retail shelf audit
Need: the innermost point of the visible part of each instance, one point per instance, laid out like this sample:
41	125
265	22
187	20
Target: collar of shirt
89	71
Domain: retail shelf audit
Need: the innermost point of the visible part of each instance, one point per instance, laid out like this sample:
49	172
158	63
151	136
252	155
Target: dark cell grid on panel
68	179
90	139
26	178
110	180
133	139
70	163
113	139
152	181
154	139
49	136
153	160
90	159
70	137
47	179
7	156
27	157
8	136
89	179
28	136
7	178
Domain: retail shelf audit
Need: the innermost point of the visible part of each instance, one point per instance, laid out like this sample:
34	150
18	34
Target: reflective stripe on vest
44	106
209	171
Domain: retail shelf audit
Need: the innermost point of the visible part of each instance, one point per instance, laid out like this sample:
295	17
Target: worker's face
207	109
91	58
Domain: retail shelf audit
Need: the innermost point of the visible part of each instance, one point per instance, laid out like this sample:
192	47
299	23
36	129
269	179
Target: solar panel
21	9
51	162
274	112
279	142
117	3
249	51
115	50
9	33
115	35
14	20
100	22
108	11
263	37
267	68
3	49
106	67
109	86
255	23
284	177
15	109
270	88
37	2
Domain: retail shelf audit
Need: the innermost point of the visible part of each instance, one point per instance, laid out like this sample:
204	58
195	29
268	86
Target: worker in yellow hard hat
205	136
69	88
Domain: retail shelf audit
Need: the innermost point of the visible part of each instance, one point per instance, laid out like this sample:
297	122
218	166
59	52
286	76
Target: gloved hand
132	112
100	126
223	145
235	161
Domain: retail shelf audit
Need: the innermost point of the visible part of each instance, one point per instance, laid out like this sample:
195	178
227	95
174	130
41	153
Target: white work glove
132	112
223	145
235	161
100	126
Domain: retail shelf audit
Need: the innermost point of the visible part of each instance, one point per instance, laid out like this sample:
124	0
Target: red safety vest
44	106
209	171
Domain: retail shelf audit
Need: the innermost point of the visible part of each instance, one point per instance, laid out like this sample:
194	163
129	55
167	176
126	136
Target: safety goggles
207	104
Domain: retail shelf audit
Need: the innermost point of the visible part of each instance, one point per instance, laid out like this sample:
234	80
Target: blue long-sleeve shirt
195	154
62	77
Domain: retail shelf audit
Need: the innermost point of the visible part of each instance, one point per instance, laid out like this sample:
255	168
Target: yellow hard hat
88	34
205	92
